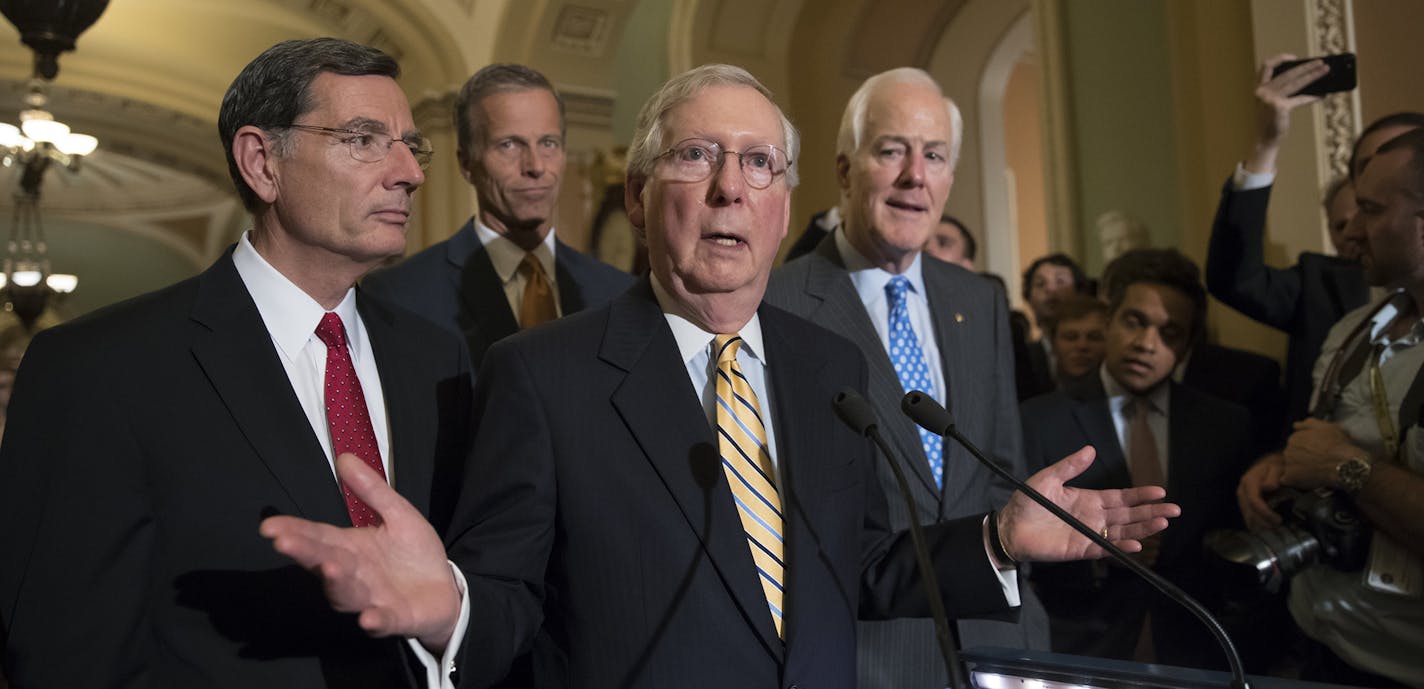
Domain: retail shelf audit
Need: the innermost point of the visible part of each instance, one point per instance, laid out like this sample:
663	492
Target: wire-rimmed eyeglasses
694	160
373	147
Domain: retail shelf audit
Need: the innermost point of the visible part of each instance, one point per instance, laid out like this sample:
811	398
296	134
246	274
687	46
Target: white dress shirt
291	317
506	257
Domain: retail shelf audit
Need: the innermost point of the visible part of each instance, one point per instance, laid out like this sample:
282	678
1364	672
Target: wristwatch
1352	473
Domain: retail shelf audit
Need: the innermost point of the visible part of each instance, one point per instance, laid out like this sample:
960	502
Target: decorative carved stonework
1330	35
587	108
432	112
351	21
582	31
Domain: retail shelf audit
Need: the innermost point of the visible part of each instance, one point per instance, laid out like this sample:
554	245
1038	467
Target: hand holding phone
1341	76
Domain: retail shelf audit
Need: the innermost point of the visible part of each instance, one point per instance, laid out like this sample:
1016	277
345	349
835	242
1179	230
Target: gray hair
648	132
848	139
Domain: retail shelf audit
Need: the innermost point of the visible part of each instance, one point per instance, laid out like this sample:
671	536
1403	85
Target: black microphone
925	411
857	413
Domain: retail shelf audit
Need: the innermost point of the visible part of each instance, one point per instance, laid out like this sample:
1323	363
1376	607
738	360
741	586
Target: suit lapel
567	274
1187	448
405	401
1091	413
804	456
957	465
667	421
236	353
485	317
841	311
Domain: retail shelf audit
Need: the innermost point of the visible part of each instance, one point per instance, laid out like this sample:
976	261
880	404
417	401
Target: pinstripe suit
971	327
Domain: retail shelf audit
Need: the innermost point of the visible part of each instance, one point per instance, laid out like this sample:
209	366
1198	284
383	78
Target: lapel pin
958	318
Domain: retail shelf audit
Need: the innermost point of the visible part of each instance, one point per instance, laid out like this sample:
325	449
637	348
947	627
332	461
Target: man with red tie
149	439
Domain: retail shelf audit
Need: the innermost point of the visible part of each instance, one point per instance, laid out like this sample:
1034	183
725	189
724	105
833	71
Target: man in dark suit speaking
148	440
869	282
504	270
661	483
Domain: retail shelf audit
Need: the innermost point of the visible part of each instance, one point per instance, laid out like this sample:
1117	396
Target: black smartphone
1341	76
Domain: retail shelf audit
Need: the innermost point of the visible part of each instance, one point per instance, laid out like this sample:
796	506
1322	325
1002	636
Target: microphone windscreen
925	411
854	410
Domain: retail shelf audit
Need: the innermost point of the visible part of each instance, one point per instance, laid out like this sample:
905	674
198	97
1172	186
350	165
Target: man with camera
1364	441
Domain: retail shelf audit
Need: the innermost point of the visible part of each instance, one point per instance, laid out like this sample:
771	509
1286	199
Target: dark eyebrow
364	124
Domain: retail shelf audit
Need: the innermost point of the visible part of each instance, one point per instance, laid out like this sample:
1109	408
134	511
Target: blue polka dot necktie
909	361
346	414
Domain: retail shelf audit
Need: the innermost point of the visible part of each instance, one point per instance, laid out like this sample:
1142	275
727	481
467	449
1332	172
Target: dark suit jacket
596	495
145	443
1304	300
454	284
1248	379
1206	445
971	327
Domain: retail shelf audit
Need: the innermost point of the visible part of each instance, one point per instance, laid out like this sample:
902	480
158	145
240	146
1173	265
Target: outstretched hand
1031	533
395	576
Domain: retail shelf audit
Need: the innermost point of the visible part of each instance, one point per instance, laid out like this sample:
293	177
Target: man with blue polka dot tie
924	325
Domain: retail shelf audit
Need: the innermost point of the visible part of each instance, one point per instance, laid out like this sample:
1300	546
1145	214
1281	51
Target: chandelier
48	27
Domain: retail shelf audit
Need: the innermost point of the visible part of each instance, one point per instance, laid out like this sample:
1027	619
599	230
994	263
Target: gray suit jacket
971	327
453	284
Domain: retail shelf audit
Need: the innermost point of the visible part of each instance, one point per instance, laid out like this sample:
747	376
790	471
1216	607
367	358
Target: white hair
848	139
647	142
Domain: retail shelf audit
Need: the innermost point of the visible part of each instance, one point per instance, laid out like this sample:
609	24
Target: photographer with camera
1365	444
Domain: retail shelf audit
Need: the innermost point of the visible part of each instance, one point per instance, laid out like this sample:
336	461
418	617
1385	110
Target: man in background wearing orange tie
504	270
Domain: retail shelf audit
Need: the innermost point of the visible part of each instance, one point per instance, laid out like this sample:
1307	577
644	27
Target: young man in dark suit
504	270
890	206
148	440
661	483
1146	428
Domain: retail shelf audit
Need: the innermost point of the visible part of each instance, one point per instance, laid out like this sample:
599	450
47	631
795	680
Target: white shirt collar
693	340
291	315
1119	396
506	255
1379	325
869	279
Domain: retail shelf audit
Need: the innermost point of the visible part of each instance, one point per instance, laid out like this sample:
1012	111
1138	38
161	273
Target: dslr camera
1322	525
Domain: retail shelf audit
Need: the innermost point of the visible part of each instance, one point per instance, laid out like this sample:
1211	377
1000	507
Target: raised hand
394	576
1031	533
1274	104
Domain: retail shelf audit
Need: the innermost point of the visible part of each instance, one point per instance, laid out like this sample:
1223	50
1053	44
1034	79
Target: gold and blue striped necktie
741	440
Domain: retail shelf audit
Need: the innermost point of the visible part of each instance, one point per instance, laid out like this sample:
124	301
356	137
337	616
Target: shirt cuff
1008	573
1241	180
438	673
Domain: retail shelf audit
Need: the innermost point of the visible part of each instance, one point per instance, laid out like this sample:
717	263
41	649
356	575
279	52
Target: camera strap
1389	434
1349	361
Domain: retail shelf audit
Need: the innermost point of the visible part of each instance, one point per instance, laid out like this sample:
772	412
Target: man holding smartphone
1305	299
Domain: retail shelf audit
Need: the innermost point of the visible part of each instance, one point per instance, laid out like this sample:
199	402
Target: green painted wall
1124	131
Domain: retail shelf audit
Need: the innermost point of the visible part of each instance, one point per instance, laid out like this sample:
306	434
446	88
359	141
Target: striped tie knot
727	347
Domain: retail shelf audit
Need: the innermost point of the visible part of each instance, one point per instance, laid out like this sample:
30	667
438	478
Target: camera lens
1265	559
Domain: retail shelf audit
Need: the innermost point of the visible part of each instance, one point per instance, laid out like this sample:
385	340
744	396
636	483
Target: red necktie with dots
346	414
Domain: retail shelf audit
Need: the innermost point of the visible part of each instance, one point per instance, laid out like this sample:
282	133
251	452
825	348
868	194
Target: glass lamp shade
3	280
25	278
62	283
10	136
77	144
46	131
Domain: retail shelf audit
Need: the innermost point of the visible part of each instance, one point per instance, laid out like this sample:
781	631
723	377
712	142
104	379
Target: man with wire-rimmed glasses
148	440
